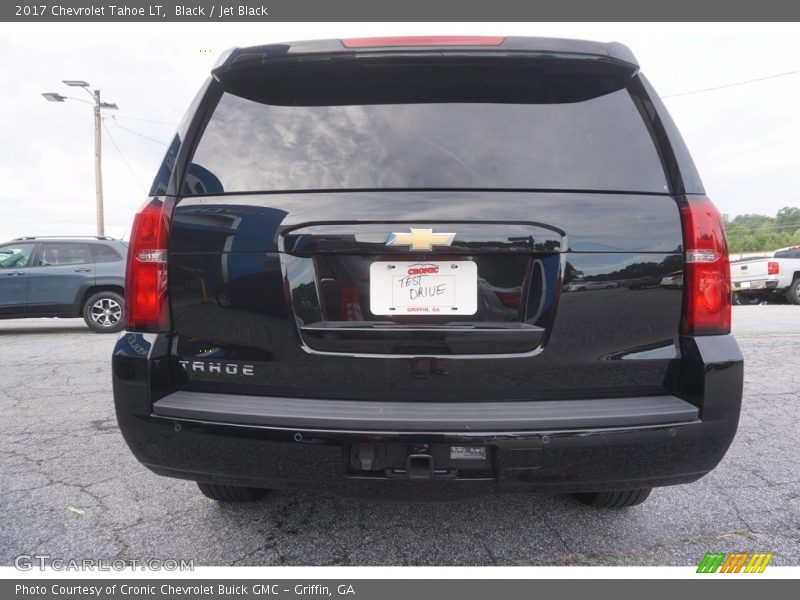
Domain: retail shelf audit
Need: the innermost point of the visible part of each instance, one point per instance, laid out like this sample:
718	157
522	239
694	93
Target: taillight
707	277
773	268
146	307
441	40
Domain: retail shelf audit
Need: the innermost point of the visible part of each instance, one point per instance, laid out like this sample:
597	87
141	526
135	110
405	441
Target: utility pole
98	168
98	122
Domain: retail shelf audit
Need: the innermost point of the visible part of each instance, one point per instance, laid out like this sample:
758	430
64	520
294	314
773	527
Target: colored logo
738	562
423	270
420	239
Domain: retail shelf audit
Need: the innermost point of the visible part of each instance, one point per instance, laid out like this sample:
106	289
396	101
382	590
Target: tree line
760	233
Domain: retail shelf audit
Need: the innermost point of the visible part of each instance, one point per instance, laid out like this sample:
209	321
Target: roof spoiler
531	46
419	70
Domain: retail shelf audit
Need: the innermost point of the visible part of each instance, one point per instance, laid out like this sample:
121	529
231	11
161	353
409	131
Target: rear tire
104	312
231	493
615	499
793	293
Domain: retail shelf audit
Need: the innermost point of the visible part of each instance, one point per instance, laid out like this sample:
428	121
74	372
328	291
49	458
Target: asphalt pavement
70	488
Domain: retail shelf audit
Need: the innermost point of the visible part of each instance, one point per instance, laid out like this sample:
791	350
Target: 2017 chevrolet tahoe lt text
350	275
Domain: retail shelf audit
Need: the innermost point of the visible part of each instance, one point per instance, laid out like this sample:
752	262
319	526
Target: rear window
600	144
793	252
102	253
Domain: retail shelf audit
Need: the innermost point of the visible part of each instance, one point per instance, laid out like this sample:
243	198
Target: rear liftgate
458	289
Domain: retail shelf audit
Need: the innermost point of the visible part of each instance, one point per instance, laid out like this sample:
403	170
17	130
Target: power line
144	120
122	156
770	227
728	85
141	135
795	224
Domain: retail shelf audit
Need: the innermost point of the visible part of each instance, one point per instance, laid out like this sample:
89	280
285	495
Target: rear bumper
546	461
548	447
755	286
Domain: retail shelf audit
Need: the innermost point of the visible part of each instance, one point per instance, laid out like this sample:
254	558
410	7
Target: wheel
104	312
615	499
793	293
231	493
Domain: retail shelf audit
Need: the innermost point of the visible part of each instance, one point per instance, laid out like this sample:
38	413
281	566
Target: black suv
350	277
64	277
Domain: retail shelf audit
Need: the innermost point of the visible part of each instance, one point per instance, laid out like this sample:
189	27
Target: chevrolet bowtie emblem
420	239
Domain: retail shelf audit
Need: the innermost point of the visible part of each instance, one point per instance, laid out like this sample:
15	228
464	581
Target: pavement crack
261	548
557	533
736	510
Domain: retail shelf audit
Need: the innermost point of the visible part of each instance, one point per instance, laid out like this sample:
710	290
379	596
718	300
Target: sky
745	139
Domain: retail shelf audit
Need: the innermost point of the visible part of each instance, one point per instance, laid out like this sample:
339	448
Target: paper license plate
423	288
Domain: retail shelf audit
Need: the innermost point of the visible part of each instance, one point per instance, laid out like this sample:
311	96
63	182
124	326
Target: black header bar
407	10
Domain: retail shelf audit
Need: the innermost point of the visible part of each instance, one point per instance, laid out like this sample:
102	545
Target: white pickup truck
762	279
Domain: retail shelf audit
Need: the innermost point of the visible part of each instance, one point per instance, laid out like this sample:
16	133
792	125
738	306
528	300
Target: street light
98	105
53	97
